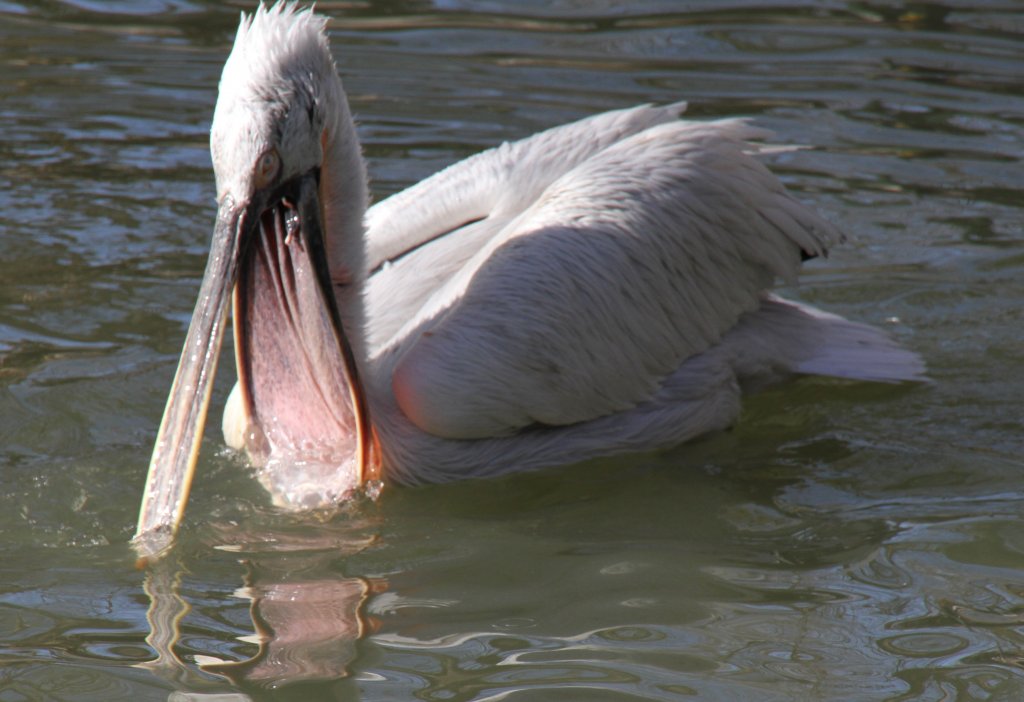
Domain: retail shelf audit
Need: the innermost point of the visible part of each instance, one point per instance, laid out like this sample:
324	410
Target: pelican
598	288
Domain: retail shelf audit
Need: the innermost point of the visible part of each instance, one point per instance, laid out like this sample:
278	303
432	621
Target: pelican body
600	287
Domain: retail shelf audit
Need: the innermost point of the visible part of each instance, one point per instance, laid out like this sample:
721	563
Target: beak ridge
177	445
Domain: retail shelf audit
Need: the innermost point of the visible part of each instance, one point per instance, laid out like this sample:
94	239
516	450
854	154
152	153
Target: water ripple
842	542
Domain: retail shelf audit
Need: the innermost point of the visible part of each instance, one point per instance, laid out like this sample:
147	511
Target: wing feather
419	238
640	255
498	182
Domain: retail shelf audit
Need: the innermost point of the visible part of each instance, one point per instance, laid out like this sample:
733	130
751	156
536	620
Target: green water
844	542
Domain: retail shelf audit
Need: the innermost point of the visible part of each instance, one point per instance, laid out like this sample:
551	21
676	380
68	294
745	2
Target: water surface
844	541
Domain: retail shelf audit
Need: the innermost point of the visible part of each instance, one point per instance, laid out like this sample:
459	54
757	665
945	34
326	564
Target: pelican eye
267	166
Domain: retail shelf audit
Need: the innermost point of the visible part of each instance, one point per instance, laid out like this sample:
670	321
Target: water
845	541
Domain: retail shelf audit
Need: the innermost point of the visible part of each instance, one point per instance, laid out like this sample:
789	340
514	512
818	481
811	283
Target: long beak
177	445
181	430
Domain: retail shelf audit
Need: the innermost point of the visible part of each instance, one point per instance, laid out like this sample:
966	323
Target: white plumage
597	288
583	298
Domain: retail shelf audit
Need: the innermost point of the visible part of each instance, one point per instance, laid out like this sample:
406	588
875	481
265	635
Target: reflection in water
166	610
306	629
307	618
841	543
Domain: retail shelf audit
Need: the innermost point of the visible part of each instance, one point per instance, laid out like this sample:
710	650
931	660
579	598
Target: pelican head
273	110
285	157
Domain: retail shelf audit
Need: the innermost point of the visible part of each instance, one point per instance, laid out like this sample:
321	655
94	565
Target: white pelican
597	288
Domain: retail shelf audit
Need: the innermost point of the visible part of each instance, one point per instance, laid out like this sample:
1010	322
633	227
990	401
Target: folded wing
567	288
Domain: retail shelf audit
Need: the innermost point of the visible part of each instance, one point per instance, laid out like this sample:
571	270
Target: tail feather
783	338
